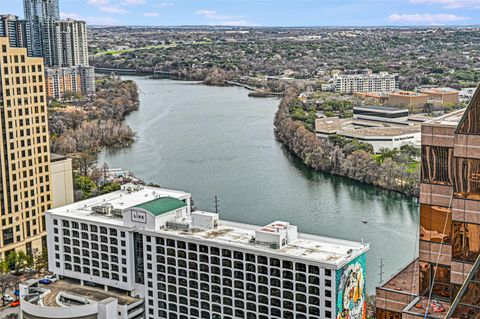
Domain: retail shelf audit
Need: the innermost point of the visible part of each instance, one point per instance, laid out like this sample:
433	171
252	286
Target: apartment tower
449	230
17	30
24	151
73	38
42	16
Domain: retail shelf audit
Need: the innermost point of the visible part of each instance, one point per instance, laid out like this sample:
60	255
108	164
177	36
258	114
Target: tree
7	281
83	163
17	261
40	263
85	185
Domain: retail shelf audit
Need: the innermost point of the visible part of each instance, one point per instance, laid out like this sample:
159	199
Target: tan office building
405	98
25	192
443	95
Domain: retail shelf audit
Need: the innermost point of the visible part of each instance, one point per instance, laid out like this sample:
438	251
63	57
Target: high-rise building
24	151
87	80
42	16
449	230
374	83
17	30
148	243
73	49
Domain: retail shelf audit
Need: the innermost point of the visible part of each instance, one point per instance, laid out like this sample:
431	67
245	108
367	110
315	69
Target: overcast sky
266	12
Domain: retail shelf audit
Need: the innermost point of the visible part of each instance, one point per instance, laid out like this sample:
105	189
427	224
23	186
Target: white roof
329	252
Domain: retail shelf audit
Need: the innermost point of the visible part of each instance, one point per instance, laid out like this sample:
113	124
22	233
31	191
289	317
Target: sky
266	12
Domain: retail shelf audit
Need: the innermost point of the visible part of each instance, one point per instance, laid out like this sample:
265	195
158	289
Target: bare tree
7	281
84	162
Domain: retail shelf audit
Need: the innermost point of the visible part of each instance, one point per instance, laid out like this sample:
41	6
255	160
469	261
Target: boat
364	220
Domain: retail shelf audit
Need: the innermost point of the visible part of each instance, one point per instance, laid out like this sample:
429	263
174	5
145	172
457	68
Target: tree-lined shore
90	126
394	170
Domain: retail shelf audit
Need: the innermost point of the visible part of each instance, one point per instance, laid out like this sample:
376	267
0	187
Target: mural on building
351	290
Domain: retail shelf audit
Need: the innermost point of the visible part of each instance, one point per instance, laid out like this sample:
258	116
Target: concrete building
73	50
380	113
148	242
62	180
449	232
442	95
380	137
62	83
17	31
66	299
87	80
407	99
373	83
25	192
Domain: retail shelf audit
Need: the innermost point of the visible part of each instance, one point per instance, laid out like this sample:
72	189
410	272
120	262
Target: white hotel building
148	243
365	83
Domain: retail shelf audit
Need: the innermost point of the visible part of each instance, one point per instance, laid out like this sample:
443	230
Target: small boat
364	220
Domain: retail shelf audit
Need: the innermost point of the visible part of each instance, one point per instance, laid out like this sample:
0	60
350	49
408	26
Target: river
218	141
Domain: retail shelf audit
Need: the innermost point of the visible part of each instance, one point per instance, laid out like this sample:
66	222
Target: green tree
85	185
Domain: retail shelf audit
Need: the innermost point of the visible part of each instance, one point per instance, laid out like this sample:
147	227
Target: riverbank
341	157
89	126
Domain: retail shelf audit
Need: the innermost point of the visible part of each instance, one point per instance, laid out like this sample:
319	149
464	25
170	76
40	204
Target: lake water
218	141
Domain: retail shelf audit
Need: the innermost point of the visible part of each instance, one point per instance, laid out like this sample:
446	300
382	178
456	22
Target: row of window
166	247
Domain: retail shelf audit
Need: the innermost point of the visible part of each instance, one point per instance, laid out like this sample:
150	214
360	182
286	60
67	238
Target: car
45	281
7	298
15	303
52	278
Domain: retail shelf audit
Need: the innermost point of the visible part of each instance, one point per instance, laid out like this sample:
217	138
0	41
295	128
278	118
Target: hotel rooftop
278	237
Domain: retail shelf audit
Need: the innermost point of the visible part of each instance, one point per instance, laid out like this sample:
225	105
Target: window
466	241
467	178
434	220
437	165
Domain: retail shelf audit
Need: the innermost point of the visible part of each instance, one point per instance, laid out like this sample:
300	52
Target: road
5	312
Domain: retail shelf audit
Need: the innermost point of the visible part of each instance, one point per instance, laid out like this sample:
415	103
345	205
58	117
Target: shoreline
286	143
320	156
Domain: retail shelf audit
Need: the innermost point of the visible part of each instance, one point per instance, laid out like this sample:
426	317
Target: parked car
15	303
7	298
45	281
52	278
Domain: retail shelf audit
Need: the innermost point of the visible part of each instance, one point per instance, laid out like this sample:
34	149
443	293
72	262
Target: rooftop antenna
216	204
381	270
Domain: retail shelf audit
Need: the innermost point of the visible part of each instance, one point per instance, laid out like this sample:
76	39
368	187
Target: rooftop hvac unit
177	225
117	212
103	209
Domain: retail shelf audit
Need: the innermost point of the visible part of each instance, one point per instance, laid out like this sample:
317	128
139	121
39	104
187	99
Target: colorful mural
351	290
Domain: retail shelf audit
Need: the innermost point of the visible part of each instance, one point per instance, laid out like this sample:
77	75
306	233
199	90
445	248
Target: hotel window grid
195	280
84	246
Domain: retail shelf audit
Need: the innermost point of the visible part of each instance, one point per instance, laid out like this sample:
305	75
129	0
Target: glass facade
436	165
470	123
387	314
441	287
467	178
435	224
466	241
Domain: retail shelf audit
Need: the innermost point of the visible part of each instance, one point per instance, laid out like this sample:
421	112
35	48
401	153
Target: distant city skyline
266	12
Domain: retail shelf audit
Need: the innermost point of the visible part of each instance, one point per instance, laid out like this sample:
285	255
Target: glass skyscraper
42	16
